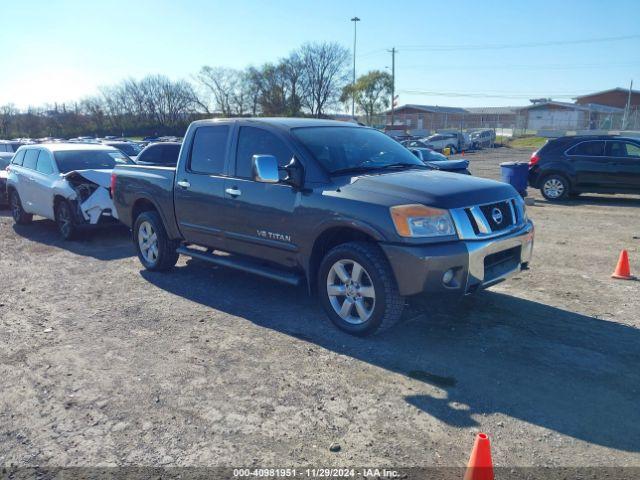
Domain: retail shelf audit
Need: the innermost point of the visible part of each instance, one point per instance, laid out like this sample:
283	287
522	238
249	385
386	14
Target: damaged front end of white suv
89	192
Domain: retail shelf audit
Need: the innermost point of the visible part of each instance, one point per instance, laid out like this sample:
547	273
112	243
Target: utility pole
355	21
393	83
627	108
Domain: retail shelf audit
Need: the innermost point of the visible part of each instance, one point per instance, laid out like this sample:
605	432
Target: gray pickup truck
342	208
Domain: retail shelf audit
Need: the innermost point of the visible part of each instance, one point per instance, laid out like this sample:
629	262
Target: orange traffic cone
623	271
480	466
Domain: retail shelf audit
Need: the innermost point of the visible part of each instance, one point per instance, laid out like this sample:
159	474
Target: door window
18	158
255	141
44	163
589	149
31	158
623	149
209	150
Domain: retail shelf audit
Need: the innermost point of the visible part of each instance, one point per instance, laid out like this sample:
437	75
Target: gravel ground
105	364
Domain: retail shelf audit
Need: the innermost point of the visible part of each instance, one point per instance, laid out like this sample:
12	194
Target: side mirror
265	169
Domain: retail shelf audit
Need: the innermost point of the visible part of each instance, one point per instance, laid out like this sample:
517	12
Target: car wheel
65	220
357	289
19	215
155	250
554	187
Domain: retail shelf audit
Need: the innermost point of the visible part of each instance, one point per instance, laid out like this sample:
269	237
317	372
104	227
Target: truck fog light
448	276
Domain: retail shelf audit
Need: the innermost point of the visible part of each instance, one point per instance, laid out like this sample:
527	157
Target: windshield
71	160
351	148
130	149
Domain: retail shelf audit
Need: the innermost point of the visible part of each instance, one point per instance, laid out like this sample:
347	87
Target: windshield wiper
370	168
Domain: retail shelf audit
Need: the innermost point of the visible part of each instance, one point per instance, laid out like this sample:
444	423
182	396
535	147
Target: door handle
234	192
183	183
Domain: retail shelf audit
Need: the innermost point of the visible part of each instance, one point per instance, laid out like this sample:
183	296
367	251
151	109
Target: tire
363	305
555	187
160	252
65	220
19	215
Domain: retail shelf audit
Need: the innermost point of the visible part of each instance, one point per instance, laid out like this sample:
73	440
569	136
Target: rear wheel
65	220
357	289
555	187
19	215
155	250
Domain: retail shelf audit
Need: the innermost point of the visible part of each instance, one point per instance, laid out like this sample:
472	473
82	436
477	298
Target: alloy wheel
351	291
148	242
553	188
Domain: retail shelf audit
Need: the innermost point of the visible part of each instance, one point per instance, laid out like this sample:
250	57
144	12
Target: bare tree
224	85
324	67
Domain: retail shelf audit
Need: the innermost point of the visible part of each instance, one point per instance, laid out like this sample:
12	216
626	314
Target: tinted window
18	157
44	163
623	149
588	148
169	154
31	158
71	160
209	149
255	141
151	154
4	147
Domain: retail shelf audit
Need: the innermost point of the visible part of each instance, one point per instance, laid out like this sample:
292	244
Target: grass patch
526	142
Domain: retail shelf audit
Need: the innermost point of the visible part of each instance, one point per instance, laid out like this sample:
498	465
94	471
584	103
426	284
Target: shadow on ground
102	243
491	353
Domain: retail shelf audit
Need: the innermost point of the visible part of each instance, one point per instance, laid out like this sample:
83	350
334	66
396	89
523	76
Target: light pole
355	21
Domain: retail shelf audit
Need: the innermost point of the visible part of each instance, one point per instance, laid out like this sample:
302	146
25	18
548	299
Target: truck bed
149	183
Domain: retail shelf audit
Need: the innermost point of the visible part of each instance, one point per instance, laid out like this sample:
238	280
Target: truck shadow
491	353
104	243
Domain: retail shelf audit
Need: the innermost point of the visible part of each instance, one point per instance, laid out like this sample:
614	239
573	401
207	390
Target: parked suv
65	182
342	208
569	166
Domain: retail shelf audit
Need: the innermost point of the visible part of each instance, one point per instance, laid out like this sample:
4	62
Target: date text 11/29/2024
315	473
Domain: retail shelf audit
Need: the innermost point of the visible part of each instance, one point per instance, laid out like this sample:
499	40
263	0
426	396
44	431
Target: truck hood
430	187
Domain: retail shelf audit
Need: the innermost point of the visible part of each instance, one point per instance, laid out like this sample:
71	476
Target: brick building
615	97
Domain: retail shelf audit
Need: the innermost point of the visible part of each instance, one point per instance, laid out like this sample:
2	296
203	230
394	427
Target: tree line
313	81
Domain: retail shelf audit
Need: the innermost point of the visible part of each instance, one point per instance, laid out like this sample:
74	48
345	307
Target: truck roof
283	122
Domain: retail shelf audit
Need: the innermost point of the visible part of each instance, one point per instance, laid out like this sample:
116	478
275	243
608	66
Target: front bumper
474	264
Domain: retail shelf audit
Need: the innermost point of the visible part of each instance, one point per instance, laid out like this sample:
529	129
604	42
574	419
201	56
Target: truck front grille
489	220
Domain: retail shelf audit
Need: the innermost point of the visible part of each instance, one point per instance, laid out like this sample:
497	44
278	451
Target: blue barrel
516	175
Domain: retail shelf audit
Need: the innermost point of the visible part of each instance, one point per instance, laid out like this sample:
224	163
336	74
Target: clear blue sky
59	50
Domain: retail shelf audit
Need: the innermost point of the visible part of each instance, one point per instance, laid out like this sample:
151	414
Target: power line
495	46
557	66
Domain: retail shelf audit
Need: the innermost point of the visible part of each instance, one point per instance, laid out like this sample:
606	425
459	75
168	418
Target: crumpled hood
430	187
98	176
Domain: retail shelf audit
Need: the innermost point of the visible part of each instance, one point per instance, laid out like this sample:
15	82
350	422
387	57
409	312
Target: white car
65	182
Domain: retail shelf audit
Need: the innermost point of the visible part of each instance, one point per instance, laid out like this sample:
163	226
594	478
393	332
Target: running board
243	264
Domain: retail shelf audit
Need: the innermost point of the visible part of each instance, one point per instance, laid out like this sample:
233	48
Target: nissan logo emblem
496	214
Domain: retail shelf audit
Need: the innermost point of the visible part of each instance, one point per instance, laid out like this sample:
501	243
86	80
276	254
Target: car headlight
422	221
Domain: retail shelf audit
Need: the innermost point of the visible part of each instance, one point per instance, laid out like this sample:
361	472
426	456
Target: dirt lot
103	363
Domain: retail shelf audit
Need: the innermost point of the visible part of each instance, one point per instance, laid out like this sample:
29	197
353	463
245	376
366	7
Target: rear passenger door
26	179
260	216
199	187
42	185
591	166
624	158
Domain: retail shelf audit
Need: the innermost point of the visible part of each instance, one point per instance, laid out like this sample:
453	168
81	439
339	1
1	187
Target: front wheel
357	289
65	220
555	187
19	215
155	250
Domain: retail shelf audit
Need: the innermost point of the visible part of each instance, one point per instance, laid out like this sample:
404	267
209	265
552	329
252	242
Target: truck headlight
422	221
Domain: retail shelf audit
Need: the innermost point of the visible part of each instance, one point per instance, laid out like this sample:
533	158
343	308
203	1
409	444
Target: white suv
64	182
